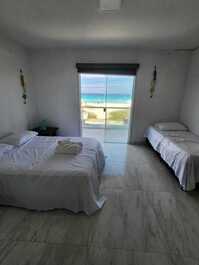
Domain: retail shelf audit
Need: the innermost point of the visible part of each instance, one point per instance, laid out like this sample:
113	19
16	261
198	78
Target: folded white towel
68	147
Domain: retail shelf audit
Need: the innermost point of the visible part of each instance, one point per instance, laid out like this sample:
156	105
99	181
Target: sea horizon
100	98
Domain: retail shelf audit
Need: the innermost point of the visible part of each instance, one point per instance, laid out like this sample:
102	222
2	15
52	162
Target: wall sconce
153	82
23	85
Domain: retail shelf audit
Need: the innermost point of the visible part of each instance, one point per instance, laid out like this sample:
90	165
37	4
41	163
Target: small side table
49	131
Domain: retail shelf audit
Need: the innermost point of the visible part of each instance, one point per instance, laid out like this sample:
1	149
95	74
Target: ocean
111	98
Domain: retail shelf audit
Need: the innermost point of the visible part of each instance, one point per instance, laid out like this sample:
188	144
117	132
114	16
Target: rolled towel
68	147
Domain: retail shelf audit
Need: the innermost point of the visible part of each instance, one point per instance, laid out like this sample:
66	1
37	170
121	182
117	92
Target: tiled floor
109	135
147	220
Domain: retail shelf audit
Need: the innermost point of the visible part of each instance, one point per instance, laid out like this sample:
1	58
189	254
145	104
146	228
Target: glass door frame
106	107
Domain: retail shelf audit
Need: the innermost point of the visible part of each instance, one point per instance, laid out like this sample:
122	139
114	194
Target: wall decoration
153	82
23	85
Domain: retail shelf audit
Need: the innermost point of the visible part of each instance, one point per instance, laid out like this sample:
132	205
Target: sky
96	84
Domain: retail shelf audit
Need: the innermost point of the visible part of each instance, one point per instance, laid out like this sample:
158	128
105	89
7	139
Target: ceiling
162	24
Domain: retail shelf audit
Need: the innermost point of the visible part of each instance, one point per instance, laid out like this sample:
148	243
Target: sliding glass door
106	106
118	108
93	105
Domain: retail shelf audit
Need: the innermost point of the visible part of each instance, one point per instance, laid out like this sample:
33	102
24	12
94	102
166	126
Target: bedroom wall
57	89
14	115
190	106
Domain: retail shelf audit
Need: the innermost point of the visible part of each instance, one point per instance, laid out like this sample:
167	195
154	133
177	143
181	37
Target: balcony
108	124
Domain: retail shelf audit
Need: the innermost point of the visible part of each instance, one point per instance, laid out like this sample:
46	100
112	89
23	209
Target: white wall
57	89
14	115
190	106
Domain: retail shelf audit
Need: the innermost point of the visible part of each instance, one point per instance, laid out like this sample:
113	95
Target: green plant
120	115
92	115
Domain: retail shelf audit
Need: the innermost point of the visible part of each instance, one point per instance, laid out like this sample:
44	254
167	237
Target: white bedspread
180	150
35	177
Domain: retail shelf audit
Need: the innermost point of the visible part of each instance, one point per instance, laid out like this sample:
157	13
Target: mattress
180	150
33	176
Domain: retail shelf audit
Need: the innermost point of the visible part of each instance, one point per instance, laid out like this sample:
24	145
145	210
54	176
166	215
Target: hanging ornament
23	85
153	82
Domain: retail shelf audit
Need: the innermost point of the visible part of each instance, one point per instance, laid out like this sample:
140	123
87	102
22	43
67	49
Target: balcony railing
101	117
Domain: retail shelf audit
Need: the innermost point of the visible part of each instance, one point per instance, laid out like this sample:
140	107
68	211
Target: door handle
104	109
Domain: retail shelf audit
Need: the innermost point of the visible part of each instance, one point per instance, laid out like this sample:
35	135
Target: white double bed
180	150
33	176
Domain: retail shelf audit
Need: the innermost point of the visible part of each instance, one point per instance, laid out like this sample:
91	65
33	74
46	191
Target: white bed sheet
34	177
180	150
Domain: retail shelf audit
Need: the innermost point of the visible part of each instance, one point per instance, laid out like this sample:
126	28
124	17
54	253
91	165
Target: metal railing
102	107
106	119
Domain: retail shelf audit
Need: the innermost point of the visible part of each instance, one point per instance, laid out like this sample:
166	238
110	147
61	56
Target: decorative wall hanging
23	85
153	82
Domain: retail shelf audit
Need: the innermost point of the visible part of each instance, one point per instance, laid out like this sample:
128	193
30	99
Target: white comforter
180	150
34	177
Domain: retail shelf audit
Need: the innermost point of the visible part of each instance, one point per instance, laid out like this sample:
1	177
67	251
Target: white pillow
170	126
18	138
4	148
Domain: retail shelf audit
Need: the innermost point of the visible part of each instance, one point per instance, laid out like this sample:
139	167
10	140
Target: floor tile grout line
136	190
144	251
100	247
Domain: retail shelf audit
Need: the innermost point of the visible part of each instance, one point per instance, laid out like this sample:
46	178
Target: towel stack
68	147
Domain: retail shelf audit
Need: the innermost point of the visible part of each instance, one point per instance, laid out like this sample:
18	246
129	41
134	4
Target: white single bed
180	150
33	176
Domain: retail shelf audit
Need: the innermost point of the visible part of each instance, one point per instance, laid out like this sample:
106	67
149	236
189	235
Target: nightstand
49	131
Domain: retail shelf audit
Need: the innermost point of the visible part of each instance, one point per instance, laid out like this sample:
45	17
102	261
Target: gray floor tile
163	259
178	222
128	222
31	253
98	256
53	228
10	218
